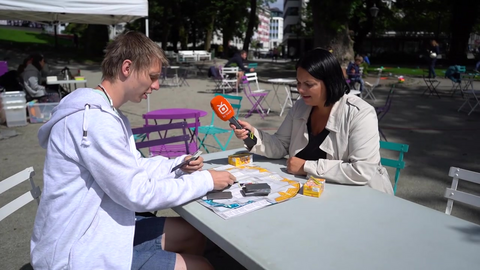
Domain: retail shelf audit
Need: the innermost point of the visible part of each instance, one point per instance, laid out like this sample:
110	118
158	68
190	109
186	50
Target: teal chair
252	65
213	130
140	138
398	164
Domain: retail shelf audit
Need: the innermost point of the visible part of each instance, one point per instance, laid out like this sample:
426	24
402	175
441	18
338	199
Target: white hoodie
94	182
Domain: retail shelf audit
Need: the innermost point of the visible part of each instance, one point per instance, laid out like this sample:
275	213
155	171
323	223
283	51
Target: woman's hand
192	166
295	166
242	134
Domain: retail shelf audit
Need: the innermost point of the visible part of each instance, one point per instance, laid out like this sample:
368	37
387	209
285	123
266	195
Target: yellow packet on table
240	159
314	187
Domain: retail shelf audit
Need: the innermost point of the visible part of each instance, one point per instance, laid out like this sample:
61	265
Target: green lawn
405	71
22	36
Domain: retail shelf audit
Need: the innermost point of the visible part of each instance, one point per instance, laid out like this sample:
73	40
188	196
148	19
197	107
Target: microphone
224	110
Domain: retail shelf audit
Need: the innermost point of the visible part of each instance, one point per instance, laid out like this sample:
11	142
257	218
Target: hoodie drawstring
85	142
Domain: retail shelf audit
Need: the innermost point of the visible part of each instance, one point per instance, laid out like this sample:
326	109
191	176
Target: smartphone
185	162
219	195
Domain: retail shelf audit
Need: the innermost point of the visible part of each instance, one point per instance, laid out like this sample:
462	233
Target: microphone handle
251	140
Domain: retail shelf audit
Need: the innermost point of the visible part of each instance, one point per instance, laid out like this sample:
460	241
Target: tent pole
146	33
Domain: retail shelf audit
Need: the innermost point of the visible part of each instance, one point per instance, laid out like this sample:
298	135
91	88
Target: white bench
203	55
186	56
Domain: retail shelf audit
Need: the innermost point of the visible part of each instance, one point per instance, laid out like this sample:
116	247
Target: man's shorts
147	245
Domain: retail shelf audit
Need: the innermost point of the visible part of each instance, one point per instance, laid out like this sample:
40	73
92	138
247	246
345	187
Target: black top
237	59
312	151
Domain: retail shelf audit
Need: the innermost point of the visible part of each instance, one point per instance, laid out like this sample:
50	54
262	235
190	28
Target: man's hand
252	70
221	179
192	166
295	166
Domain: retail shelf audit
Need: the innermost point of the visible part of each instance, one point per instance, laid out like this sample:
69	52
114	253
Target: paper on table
282	189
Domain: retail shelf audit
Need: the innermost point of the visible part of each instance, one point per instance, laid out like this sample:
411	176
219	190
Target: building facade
276	28
262	34
292	18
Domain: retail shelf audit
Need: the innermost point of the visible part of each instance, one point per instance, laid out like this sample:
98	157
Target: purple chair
185	138
383	110
172	116
3	67
255	98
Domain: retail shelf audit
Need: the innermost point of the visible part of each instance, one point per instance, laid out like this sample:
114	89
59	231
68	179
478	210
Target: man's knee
187	261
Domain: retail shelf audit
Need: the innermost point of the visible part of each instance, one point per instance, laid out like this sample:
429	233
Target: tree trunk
227	36
183	34
96	38
325	36
209	34
165	27
251	24
464	16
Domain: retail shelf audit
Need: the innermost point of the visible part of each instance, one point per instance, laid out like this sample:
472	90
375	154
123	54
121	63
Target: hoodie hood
80	100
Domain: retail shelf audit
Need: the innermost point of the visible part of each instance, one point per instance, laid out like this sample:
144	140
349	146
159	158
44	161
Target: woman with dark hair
32	77
327	133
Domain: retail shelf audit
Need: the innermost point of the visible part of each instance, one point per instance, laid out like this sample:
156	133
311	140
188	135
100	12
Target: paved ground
438	135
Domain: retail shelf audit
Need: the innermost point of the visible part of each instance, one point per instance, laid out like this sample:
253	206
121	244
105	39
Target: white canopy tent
108	12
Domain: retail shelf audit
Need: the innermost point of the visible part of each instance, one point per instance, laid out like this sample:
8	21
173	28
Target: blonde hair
358	57
134	46
434	43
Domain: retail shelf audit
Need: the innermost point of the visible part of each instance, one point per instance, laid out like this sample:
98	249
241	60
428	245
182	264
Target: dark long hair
322	65
36	59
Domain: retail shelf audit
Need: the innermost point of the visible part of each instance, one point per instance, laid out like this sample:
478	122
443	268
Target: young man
95	180
238	59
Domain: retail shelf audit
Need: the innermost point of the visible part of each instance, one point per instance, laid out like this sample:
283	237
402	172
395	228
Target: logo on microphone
222	108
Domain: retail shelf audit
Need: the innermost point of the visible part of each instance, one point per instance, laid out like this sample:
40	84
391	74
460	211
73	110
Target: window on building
292	11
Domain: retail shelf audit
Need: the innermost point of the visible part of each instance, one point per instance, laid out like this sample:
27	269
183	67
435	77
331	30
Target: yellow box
240	159
314	187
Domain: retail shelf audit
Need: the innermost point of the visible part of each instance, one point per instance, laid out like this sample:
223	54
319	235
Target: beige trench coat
352	146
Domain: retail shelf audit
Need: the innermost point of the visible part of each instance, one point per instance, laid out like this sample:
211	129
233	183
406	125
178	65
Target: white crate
16	115
13	96
40	112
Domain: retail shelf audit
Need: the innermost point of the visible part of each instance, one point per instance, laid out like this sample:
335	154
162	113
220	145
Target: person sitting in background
353	72
12	80
238	59
32	81
327	133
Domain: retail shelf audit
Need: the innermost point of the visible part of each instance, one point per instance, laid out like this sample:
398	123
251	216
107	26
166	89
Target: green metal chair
252	65
398	164
213	130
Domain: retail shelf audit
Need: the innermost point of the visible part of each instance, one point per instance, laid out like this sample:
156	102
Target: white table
175	80
276	83
67	84
348	227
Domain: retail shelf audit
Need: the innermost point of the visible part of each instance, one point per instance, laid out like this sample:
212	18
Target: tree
95	39
362	21
330	25
252	22
232	22
464	17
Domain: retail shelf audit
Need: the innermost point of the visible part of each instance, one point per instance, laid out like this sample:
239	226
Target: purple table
171	114
174	112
